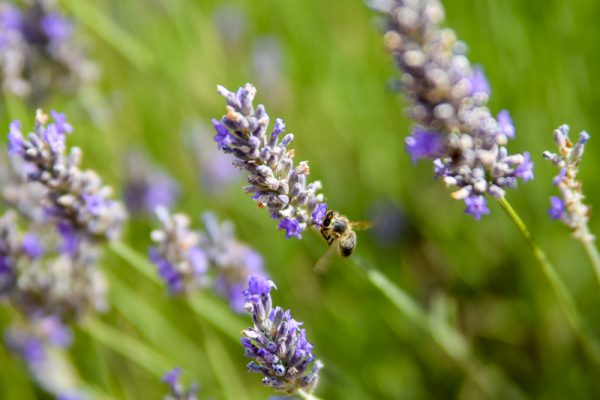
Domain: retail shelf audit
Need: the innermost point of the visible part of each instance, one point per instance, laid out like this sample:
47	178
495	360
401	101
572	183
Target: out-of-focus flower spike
447	100
39	54
176	389
73	197
181	263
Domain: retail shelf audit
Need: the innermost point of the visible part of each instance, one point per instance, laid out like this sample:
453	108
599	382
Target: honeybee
339	233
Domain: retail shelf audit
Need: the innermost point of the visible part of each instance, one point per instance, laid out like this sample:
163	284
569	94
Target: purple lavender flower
557	208
147	187
54	288
277	345
476	206
55	27
73	197
291	227
181	263
569	207
32	246
177	391
424	144
214	169
47	365
232	261
478	83
448	98
40	54
274	181
505	123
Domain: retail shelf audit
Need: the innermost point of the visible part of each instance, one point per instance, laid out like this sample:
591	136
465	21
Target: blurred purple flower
476	206
424	144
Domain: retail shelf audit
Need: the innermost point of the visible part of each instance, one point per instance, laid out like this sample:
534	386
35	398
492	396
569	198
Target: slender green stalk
133	350
562	294
125	43
448	338
212	311
592	252
225	369
307	396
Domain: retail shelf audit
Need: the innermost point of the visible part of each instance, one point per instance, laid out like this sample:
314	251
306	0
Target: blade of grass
213	311
225	369
131	349
154	326
121	40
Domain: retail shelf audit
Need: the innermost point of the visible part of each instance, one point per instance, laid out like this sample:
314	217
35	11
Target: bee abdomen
347	244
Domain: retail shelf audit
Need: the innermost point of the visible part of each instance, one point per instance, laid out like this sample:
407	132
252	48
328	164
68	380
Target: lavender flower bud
242	132
225	262
181	263
39	53
276	343
147	187
232	261
447	99
177	391
39	279
73	197
214	168
569	207
45	358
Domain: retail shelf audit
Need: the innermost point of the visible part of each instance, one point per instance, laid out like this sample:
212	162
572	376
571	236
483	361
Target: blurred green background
161	61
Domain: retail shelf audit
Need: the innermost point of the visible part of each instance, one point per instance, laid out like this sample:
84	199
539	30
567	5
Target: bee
339	233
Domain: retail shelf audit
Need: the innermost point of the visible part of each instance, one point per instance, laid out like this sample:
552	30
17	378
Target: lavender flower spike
177	391
276	343
232	260
74	198
181	263
274	181
39	55
447	99
569	207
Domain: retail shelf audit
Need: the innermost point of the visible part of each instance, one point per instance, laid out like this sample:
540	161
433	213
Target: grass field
322	67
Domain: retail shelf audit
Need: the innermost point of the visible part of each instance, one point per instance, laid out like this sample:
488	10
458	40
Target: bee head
329	216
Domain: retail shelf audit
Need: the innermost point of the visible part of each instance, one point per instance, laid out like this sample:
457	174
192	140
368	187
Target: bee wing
360	225
323	263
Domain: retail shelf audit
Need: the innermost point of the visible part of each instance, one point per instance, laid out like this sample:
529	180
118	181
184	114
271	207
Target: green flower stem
307	396
211	310
133	350
448	338
562	294
592	252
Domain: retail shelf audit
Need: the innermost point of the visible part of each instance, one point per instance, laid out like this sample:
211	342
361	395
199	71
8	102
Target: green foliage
161	61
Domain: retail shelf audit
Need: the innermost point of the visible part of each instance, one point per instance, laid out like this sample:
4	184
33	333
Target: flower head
181	263
45	359
232	261
277	345
274	181
447	100
147	187
73	197
569	207
40	54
